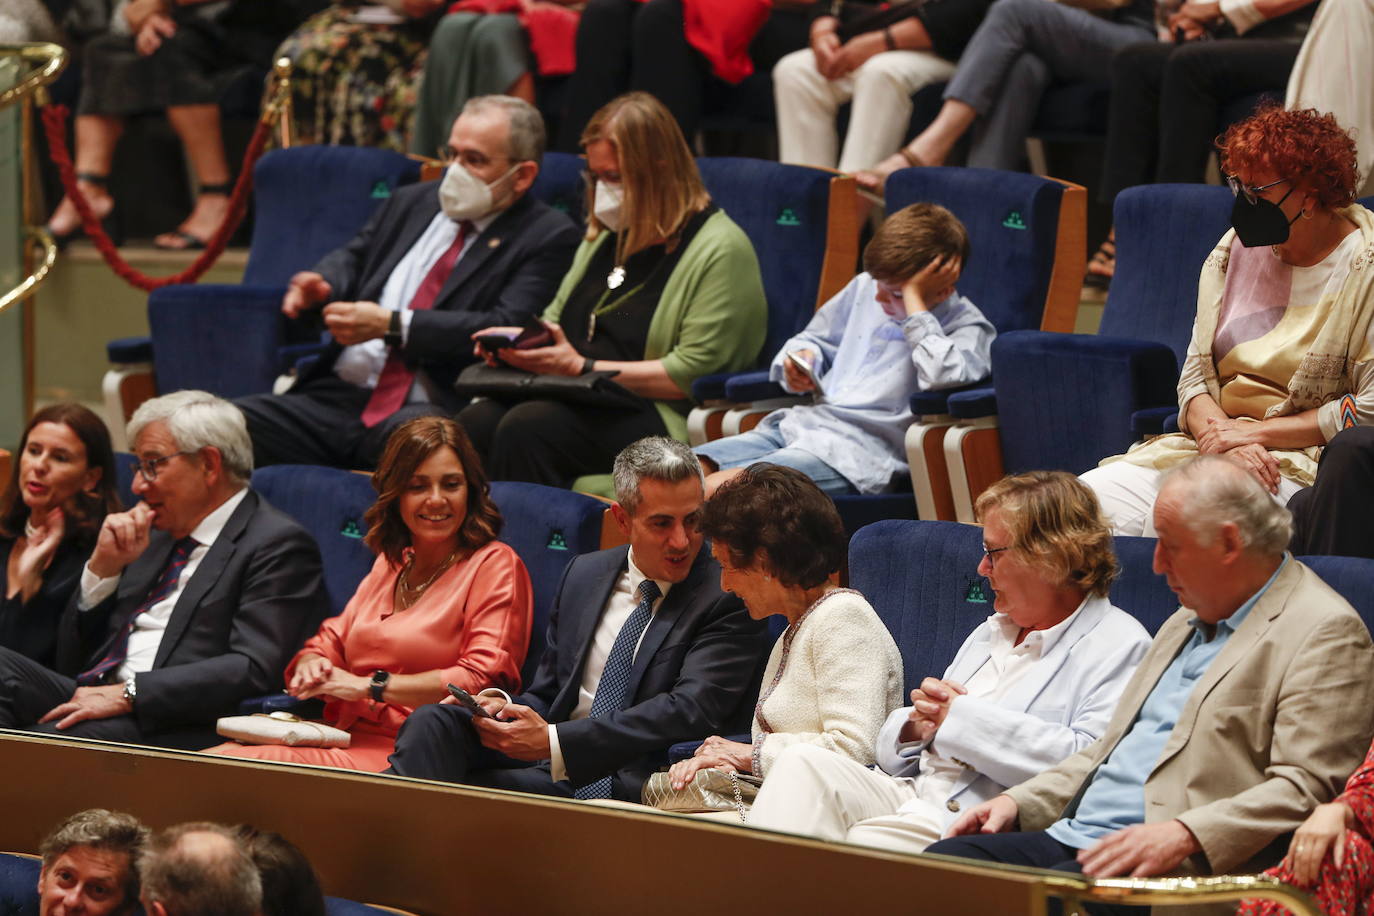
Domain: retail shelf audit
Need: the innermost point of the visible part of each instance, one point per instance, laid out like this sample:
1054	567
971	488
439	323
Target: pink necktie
393	384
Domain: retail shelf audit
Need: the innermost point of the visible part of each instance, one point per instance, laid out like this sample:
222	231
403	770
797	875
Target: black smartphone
469	701
532	334
493	342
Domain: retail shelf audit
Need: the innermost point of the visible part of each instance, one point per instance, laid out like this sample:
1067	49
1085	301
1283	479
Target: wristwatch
378	684
130	691
392	338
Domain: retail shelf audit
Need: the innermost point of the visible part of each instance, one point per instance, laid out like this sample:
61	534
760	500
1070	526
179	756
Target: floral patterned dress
1348	890
355	83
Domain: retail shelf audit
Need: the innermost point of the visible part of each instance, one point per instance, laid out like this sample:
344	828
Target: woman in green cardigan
664	288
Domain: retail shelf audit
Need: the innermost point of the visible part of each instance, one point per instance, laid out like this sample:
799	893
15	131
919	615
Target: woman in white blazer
835	672
1034	683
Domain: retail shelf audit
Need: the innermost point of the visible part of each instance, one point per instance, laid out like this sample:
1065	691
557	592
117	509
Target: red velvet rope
55	125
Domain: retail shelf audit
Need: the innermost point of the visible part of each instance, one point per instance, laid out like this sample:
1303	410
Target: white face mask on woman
463	195
607	204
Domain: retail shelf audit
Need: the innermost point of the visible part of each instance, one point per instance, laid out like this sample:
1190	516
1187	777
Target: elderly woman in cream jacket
835	672
1033	684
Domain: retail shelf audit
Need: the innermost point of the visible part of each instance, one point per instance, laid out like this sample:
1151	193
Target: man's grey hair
200	869
658	458
527	138
197	420
1217	491
105	830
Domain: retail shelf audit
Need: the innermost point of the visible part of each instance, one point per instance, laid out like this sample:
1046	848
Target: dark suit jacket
510	273
257	593
698	658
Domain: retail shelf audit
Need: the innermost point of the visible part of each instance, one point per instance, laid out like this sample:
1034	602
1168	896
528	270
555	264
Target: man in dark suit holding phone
436	263
644	650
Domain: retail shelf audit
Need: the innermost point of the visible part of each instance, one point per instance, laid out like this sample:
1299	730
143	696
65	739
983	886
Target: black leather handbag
504	383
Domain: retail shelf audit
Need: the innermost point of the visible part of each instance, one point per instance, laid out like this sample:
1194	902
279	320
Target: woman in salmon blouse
445	603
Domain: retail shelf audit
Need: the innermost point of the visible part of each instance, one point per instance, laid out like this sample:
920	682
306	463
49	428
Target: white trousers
818	793
881	90
1127	494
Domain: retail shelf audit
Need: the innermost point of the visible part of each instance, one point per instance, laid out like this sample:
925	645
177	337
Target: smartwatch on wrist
392	337
377	686
588	365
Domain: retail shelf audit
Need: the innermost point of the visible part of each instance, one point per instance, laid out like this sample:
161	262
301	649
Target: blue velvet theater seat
1068	400
1353	577
785	212
309	200
547	527
329	503
560	184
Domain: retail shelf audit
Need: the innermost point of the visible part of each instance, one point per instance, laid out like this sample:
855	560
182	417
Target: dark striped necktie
165	585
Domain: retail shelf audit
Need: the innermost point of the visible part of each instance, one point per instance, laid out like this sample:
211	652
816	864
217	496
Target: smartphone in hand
532	334
804	367
469	701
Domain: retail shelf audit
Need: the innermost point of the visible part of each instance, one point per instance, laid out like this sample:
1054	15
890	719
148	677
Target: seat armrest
711	387
684	749
294	356
926	403
753	386
973	404
1151	421
126	350
282	702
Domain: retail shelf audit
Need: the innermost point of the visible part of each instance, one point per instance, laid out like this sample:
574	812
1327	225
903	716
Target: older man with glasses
192	600
437	263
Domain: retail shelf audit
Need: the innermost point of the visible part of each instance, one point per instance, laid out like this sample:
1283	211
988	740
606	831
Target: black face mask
1260	223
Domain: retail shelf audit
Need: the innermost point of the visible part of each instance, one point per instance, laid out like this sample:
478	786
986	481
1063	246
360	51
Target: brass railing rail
1074	891
44	240
46	61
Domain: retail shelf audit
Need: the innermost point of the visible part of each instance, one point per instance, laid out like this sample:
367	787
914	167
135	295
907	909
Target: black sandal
192	242
112	227
1102	265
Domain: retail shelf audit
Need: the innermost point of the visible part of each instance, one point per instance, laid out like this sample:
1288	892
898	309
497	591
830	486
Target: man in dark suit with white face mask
437	262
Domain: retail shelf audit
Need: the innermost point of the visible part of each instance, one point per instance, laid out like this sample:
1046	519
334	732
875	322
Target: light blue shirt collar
1233	622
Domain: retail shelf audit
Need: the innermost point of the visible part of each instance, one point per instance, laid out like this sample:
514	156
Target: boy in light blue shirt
897	328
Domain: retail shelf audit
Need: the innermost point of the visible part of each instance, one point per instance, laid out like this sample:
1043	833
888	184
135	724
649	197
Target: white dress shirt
994	679
152	623
624	599
361	364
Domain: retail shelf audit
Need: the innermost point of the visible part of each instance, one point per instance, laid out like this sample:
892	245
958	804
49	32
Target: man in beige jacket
1252	706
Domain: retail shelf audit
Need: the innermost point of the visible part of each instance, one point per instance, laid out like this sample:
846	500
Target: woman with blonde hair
664	288
1033	683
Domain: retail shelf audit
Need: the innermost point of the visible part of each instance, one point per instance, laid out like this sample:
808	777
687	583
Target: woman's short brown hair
1306	147
1055	522
660	178
779	515
911	238
87	509
409	447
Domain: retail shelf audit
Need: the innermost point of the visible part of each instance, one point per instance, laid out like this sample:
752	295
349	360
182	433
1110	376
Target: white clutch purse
281	728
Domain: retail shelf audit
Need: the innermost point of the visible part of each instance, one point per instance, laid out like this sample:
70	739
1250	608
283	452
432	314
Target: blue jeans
760	445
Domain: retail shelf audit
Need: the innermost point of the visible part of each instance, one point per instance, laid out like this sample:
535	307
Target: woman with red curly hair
1279	361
